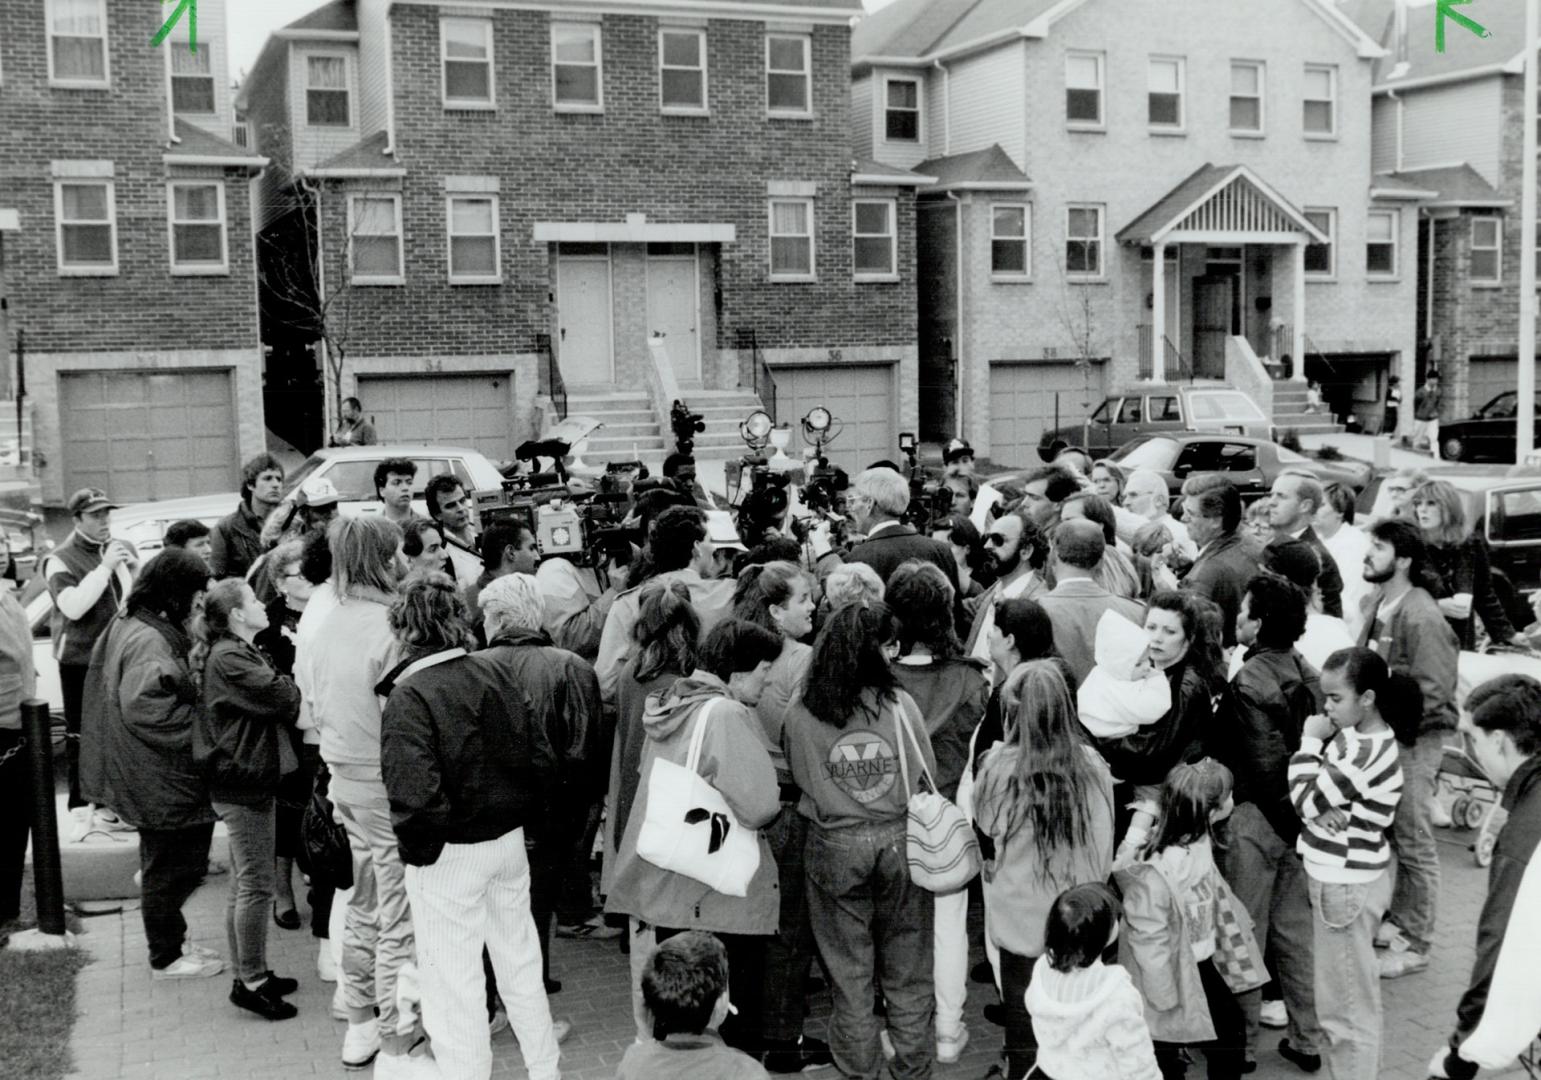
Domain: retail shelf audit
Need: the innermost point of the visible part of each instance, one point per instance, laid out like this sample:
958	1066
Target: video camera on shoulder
930	499
583	527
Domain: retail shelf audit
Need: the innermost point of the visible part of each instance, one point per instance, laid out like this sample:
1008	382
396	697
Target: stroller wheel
1476	810
1459	809
1482	850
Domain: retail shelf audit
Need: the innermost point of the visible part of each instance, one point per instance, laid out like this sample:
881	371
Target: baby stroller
1470	798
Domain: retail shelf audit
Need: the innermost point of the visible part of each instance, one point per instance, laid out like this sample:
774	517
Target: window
1083	89
1321	258
197	228
465	49
1009	240
876	254
682	70
576	62
326	91
791	239
87	227
374	239
1164	80
192	78
77	42
788	74
901	117
473	239
1133	411
1319	101
1164	409
1380	256
1246	98
1238	457
1486	249
240	133
1083	241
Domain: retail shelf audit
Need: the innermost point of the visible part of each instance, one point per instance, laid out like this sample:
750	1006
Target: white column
1158	314
1525	421
1298	345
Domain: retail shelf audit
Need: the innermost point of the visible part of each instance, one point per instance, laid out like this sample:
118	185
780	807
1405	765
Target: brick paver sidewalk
131	1026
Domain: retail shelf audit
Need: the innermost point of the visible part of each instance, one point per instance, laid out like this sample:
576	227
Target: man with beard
1405	626
1015	550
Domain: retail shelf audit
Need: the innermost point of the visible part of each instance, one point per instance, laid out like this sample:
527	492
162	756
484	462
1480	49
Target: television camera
930	500
686	425
586	528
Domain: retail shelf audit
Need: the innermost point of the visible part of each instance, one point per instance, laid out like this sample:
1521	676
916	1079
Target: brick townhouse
496	181
1453	123
131	275
1077	144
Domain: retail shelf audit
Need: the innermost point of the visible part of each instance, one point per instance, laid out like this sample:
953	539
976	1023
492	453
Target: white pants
644	939
949	947
475	895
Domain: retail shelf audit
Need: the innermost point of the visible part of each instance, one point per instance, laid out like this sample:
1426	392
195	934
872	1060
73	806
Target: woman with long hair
871	922
1461	559
423	545
1108	481
1045	799
291	591
242	743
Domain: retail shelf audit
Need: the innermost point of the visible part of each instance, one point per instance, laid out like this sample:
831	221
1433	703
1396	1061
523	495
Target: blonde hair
363	555
1454	529
852	582
513	601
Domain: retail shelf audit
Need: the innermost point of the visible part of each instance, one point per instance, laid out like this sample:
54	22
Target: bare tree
1076	315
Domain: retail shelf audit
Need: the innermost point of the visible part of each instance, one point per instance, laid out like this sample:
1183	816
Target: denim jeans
251	886
1267	877
787	953
873	927
1021	1047
1348	989
72	692
1415	899
172	863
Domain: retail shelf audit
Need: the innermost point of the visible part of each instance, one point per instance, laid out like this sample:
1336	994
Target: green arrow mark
1446	10
191	8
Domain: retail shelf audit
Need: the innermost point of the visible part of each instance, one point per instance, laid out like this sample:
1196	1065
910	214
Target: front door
672	307
1212	302
583	319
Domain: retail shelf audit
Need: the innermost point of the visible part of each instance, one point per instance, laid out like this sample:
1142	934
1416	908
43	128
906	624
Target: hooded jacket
1116	698
565	694
711	599
734	761
1090	1024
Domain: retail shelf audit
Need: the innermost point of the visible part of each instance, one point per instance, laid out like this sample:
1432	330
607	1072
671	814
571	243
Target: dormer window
326	91
902	111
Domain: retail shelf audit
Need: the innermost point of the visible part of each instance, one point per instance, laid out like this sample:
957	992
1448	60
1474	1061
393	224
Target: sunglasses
997	540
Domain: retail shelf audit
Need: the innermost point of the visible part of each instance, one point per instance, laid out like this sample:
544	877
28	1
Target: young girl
1170	895
1088	1017
1345	782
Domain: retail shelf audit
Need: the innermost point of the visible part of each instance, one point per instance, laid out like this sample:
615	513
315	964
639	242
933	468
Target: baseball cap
957	448
721	530
318	491
88	499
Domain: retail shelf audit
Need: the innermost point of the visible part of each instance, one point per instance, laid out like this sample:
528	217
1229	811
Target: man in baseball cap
318	502
958	458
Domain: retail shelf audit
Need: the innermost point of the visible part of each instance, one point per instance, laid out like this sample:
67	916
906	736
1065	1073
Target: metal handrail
764	381
554	384
1177	368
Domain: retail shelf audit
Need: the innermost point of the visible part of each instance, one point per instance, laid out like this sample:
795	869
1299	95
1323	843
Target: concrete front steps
1289	412
631	430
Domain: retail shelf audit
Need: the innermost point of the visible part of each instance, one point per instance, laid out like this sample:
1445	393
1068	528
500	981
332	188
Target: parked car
1486	435
1152	410
1253	464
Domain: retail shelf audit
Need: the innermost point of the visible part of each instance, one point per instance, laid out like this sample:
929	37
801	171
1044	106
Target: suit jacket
1221	573
1032	587
1074	607
1331	579
1420	644
899	544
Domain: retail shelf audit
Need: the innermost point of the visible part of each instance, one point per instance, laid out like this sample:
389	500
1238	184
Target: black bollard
46	873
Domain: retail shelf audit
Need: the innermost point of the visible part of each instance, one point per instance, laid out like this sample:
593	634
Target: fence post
47	876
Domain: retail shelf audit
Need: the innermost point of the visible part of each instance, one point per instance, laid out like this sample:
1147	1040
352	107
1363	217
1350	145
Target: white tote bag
688	828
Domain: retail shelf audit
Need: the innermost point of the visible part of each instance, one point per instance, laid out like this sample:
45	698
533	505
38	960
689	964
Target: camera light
757	426
818	419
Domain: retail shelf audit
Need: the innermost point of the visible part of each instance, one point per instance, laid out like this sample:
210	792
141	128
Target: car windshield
293	481
1151	453
1223	405
1289	457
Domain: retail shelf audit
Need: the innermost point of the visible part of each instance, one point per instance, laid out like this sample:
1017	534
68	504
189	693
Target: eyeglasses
997	540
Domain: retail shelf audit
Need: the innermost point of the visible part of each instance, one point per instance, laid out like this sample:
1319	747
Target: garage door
476	411
1486	378
148	434
860	396
1022	405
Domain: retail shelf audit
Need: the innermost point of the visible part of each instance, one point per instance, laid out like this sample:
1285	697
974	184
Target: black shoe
982	973
804	1055
1299	1058
277	986
553	986
286	920
995	1012
269	1008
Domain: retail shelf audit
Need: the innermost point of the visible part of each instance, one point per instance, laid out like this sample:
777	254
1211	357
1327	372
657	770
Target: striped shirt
1360	775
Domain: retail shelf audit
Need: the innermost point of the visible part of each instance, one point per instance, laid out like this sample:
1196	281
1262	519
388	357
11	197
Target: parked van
1148	410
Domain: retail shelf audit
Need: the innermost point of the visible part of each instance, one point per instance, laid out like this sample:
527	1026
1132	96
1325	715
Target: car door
1100	432
1513	530
1239	462
1163	412
1490	433
1131	421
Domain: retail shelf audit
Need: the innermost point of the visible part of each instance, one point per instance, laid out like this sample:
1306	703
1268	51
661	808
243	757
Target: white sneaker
190	967
887	1043
107	821
1274	1015
1390	936
419	1066
949	1048
326	968
80	823
561	1027
1439	817
192	948
339	1006
361	1044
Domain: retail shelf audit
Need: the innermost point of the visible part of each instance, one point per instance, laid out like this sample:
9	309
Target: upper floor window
465	49
682	70
791	240
1083	89
1247	83
1164	81
473	239
1319	100
1083	241
327	96
240	132
85	216
789	74
1487	249
374	239
1321	259
192	78
197	227
77	42
901	110
1009	240
576	67
876	241
1380	256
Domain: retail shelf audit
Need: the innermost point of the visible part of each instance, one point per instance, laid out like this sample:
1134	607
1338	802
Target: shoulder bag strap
906	728
693	759
904	769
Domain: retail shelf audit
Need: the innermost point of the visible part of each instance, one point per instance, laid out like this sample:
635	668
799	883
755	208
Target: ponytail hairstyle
848	661
1398	698
212	621
762	587
1190	794
667	632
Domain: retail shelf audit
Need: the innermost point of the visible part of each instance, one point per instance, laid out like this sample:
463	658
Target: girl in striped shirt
1345	783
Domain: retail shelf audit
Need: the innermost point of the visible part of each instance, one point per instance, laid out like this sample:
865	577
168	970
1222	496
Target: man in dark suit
877	501
1226	560
1077	603
1291	508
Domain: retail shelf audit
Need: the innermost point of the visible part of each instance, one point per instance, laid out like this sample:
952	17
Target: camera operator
958	459
877	502
450	509
680	469
507	547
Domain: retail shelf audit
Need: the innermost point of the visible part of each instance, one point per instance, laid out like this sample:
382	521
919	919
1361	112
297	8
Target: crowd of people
1198	759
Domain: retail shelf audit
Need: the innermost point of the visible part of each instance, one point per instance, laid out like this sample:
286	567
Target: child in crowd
1256	525
685	988
1313	396
1171	893
1345	783
1088	1017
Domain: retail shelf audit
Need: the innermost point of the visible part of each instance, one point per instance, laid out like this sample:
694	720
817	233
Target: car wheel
1452	449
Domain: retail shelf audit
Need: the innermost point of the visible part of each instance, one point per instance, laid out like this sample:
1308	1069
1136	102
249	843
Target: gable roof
367	157
1197	191
338	15
194	146
868	173
1466	55
978	170
1453	185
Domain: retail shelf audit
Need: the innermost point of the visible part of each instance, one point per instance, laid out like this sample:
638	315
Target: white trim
886	180
791	189
699	33
89	269
222	268
1236	238
597	37
77	169
1402	194
105	82
215	159
672	9
399	278
1101	239
355	174
1497	248
1181	127
1100	59
1269	193
982	185
1332	101
291	34
891	208
605	232
782	113
472	185
810	224
496	277
1331	273
920	120
1515	67
1026	240
1261	97
347	87
1396	246
467	104
10	220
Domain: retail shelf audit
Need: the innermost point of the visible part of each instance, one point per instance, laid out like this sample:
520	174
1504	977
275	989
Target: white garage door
860	396
142	435
1022	404
476	411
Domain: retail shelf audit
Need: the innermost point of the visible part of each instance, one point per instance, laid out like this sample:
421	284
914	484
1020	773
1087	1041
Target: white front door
672	308
583	319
